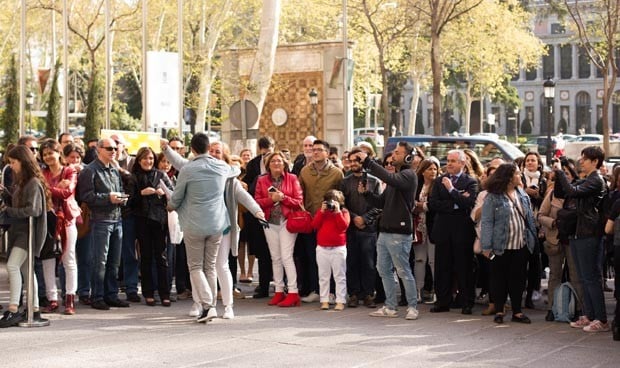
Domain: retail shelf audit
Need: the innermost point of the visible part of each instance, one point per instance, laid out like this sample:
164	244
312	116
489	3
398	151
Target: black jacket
396	200
356	203
153	206
587	194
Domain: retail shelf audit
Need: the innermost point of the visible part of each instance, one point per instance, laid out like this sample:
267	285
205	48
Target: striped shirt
516	226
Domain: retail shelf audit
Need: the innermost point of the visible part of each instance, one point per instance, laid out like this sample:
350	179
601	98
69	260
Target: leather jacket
587	194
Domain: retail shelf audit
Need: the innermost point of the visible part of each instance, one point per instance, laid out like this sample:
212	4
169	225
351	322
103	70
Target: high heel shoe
70	304
291	300
51	308
165	302
150	302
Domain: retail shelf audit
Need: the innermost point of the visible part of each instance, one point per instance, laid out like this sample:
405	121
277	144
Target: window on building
548	64
584	64
566	61
557	28
530	74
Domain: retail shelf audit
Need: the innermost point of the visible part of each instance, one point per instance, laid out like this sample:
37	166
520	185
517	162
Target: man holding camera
100	186
395	226
362	233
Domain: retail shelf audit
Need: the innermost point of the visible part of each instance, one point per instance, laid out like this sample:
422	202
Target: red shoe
69	304
51	308
277	298
291	300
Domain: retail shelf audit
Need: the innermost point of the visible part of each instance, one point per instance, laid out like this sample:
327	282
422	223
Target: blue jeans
393	252
107	250
586	253
84	255
129	255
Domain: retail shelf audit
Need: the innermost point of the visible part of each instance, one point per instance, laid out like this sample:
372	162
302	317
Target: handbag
566	222
418	235
52	247
299	221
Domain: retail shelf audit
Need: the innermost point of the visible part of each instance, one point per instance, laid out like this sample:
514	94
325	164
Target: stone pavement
264	336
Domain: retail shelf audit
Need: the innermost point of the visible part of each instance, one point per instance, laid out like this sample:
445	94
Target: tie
453	178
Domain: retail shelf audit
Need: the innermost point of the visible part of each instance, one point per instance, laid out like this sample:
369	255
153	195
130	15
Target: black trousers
152	238
361	263
534	270
508	274
454	256
305	262
258	246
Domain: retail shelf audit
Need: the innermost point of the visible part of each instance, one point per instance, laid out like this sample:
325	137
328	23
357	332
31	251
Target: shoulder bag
299	221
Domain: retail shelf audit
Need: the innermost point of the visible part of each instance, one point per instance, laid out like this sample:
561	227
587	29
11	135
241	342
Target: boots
69	304
51	308
291	300
277	298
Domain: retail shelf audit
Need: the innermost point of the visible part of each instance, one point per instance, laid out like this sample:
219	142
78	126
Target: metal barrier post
30	322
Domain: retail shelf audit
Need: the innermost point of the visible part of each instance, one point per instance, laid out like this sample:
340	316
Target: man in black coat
256	237
452	199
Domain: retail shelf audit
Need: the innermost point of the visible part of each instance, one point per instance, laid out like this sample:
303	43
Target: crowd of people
180	224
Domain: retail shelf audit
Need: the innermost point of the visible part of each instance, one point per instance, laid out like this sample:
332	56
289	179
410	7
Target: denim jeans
586	254
84	254
129	255
107	239
393	252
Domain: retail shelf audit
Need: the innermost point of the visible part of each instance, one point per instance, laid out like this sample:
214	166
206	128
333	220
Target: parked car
586	138
557	144
487	148
374	134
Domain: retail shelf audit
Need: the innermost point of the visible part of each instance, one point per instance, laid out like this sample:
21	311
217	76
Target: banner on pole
162	86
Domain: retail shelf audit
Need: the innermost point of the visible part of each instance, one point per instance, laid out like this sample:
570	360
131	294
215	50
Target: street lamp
549	90
29	103
516	112
314	101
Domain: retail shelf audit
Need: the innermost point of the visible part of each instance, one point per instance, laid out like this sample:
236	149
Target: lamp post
314	100
549	90
516	112
29	103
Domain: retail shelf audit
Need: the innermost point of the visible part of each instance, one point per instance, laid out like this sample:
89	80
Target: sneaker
237	294
324	306
313	297
412	313
369	302
196	310
384	312
536	295
134	298
207	315
597	326
332	299
582	322
339	307
431	298
353	301
228	312
10	319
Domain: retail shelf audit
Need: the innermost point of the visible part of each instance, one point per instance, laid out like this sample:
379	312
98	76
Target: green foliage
52	120
120	118
9	120
94	109
172	132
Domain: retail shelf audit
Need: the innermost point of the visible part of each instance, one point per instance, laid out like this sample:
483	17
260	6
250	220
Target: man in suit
452	199
256	237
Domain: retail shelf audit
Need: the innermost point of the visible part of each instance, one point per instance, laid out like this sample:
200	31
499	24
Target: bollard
30	322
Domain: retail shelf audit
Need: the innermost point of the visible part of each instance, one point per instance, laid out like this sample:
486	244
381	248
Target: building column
575	55
556	62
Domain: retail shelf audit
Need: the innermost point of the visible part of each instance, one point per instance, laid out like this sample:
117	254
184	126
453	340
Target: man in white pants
199	195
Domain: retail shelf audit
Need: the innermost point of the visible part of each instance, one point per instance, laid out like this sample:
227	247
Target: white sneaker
207	315
196	310
536	295
384	312
332	299
313	297
228	312
412	313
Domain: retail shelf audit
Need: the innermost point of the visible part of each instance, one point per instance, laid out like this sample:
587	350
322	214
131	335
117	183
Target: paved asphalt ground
264	336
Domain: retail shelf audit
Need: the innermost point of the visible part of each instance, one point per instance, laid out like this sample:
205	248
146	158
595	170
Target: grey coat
33	204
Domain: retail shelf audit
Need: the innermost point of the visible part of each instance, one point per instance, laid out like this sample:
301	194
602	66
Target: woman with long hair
61	181
427	172
507	237
30	198
149	202
278	193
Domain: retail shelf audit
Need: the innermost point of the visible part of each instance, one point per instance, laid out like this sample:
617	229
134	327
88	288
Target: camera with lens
330	205
364	180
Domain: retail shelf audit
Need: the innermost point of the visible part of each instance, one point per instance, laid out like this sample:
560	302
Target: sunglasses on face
109	148
33	149
389	163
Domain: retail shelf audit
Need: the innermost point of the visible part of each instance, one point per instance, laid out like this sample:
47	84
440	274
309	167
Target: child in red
331	222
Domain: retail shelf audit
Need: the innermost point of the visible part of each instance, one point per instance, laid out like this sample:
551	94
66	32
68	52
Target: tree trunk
264	61
437	71
413	116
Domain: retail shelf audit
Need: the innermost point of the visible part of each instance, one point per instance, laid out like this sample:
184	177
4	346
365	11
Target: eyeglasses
176	148
33	149
110	148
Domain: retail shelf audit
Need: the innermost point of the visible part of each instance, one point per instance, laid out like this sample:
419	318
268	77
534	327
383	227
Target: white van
376	134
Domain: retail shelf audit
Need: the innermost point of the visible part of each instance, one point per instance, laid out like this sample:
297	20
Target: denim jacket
95	183
495	222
